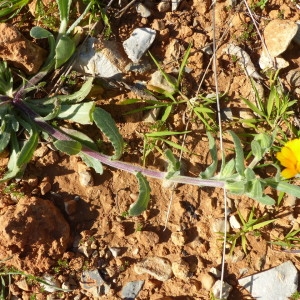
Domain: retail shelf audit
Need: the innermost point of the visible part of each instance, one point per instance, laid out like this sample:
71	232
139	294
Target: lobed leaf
141	203
107	125
91	162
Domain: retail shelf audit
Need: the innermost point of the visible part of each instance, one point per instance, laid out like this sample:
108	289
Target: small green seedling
248	226
295	296
289	241
275	109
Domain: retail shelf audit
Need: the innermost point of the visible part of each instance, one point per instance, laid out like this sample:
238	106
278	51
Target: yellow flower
289	157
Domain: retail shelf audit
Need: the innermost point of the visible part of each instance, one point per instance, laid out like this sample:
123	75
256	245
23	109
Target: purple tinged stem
105	159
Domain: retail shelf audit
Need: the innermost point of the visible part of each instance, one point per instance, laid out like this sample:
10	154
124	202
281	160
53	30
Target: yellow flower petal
294	146
288	173
286	157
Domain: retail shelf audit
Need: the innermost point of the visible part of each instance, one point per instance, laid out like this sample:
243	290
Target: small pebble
234	223
181	269
45	187
226	289
86	178
143	10
178	238
164	6
218	225
131	289
52	283
207	281
115	251
159	268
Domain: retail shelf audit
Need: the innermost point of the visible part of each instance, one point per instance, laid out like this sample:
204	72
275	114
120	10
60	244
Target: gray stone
277	283
138	43
226	289
159	268
278	35
92	281
104	59
218	225
51	284
158	81
131	289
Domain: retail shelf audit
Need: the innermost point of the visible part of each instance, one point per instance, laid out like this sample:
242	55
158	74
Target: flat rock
23	53
131	289
92	281
278	35
266	61
158	82
138	43
105	59
34	233
277	283
158	267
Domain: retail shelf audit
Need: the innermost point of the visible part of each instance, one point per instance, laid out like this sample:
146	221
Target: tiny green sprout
61	265
125	214
295	296
138	227
12	190
251	225
289	241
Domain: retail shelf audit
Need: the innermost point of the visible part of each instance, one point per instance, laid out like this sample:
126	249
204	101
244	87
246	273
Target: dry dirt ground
42	236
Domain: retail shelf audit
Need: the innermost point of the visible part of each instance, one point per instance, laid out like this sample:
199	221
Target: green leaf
228	169
40	33
211	169
79	113
249	174
239	154
173	164
183	64
285	187
8	7
64	50
6	80
141	203
92	162
256	149
264	199
254	108
167	113
80	137
236	187
256	190
26	152
106	123
12	168
263	224
68	147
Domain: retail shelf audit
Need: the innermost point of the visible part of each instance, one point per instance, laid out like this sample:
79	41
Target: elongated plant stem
105	159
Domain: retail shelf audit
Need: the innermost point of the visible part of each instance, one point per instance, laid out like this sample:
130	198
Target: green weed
289	241
250	225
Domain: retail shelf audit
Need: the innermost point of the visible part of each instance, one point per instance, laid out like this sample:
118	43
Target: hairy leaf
173	164
239	154
141	203
68	147
92	162
106	123
211	169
